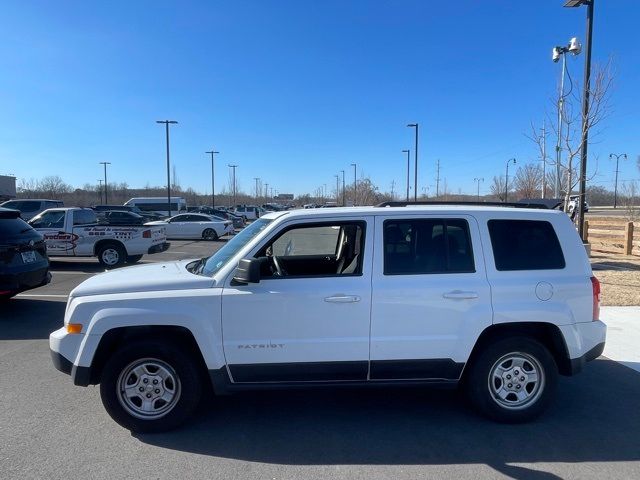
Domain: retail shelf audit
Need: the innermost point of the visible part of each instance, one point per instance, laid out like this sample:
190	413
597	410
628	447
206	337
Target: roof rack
541	204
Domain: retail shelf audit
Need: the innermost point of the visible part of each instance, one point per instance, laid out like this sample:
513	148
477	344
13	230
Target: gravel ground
619	276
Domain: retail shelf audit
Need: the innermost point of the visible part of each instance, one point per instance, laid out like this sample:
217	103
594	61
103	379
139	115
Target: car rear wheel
512	380
210	234
150	386
111	255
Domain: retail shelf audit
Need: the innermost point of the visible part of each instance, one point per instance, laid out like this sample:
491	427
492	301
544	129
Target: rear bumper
578	363
159	248
19	281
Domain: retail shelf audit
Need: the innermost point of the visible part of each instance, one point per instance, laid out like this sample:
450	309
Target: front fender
198	311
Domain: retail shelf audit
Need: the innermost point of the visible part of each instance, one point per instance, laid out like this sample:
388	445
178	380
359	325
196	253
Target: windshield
215	262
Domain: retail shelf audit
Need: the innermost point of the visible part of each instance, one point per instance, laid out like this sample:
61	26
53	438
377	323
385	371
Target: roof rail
523	204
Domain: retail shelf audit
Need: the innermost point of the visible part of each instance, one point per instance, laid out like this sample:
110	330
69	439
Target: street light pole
213	185
478	180
234	183
106	201
615	191
266	191
415	180
166	125
585	110
337	188
344	204
408	152
506	180
355	184
257	179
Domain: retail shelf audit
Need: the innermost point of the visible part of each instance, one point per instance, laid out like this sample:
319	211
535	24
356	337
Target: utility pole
213	188
355	184
106	201
478	180
506	180
166	125
615	191
337	188
438	178
408	152
393	184
415	180
100	190
257	179
234	182
343	199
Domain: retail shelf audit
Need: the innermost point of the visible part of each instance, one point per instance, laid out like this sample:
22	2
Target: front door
308	318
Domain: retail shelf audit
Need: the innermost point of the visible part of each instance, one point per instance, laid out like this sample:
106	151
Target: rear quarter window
525	245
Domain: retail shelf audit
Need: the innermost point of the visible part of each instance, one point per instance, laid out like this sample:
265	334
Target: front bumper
63	347
159	248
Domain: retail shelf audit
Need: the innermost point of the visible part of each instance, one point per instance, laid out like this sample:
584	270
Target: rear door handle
460	295
342	299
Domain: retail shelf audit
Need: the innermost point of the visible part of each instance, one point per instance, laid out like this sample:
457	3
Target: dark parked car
238	221
148	216
23	256
121	218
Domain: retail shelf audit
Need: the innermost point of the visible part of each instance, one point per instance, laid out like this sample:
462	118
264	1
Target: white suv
500	300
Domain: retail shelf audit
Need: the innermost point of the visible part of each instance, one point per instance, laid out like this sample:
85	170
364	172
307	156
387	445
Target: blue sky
295	91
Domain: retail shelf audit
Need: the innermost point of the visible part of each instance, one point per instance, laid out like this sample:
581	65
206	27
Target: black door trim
435	368
299	371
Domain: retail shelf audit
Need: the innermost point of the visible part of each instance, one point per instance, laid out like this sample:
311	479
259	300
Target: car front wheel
150	386
512	380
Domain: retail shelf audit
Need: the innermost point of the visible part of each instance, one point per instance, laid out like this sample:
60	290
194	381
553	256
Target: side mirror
248	271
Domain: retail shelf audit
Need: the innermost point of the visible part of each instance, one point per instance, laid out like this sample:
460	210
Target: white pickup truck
75	232
500	300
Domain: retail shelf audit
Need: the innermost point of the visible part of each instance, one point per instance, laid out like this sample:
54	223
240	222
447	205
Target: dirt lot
619	276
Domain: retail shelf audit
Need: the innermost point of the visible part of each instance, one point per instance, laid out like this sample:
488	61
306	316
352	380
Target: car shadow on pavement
593	418
27	319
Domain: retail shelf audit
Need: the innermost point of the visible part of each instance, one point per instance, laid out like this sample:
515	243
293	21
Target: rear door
430	298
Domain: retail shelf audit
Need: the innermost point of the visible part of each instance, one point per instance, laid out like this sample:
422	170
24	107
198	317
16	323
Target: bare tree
571	135
497	187
53	186
528	180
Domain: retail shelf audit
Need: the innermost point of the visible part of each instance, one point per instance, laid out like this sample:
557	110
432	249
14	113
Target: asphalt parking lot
52	429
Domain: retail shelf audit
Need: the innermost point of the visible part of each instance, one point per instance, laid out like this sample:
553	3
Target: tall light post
355	184
100	189
213	185
234	182
506	180
574	48
337	188
344	204
166	125
478	180
408	152
615	190
106	200
415	180
585	109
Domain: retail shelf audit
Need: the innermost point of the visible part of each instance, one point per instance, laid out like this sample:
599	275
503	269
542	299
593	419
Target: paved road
51	429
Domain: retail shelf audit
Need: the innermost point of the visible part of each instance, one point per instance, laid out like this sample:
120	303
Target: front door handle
342	299
460	295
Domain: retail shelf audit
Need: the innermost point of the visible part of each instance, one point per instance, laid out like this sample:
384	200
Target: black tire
210	234
134	258
481	384
111	255
180	363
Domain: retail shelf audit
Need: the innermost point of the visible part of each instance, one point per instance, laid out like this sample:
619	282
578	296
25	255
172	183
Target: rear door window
525	245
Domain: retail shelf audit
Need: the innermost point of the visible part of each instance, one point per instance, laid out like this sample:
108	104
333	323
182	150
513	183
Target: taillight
595	283
146	234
